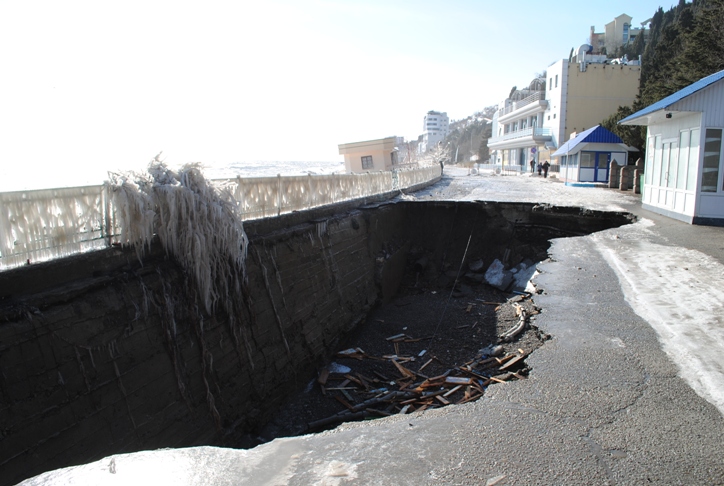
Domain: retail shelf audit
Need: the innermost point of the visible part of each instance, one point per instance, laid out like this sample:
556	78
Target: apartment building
372	155
436	126
576	95
617	33
518	130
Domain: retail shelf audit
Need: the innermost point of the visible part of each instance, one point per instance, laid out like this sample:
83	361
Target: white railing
515	105
526	132
52	223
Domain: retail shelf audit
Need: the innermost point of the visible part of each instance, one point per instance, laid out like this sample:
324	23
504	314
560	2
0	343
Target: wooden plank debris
404	371
355	353
344	402
427	363
512	362
323	375
458	380
381	376
354	380
396	336
410	391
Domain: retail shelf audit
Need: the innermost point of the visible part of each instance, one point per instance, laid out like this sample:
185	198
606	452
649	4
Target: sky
88	87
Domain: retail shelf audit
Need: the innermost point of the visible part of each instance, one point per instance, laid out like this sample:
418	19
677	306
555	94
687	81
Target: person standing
540	168
546	166
532	165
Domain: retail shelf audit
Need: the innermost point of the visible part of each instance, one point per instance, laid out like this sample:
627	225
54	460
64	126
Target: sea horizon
256	168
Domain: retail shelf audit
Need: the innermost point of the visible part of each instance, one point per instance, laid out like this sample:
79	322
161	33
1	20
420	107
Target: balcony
521	138
525	107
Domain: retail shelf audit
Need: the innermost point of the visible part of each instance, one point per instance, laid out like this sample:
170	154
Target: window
665	154
588	160
712	154
657	161
683	159
649	167
367	162
550	84
556	80
693	159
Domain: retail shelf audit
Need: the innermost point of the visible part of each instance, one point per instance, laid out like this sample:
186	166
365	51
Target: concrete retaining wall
101	354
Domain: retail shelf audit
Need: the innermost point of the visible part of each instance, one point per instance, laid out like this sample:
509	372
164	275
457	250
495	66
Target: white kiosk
585	159
684	175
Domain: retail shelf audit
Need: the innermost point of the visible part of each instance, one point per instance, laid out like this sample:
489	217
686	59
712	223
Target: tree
634	136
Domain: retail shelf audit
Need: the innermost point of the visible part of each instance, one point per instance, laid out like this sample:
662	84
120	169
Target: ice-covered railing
51	223
271	196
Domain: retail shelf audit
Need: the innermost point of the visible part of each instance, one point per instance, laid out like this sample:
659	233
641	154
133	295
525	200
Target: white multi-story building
518	130
575	96
436	127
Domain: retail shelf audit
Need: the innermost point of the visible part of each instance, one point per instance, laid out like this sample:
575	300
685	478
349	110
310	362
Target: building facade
371	155
617	33
436	126
577	95
684	167
518	130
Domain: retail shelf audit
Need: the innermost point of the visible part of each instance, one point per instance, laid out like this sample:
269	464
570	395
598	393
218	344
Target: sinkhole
455	311
342	313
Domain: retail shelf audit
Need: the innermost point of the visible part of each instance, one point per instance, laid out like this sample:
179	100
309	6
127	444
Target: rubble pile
412	379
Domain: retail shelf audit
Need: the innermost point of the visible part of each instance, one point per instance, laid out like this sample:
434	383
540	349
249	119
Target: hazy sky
87	87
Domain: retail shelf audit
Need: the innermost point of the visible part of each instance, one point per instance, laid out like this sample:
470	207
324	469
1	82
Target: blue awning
597	134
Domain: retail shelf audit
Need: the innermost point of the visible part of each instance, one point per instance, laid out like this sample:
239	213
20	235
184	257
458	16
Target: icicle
197	223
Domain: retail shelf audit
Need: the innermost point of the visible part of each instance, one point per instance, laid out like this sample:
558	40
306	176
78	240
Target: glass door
603	164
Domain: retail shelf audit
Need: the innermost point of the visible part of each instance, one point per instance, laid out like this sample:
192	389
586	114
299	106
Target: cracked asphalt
610	400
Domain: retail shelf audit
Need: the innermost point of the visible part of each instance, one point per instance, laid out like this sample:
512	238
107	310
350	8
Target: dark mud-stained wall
100	354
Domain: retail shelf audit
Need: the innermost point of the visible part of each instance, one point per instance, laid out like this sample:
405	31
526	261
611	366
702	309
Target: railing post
279	194
106	230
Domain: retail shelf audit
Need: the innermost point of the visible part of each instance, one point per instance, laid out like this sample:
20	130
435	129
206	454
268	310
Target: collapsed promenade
629	390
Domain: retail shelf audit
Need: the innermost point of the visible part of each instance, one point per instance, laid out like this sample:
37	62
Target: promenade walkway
630	390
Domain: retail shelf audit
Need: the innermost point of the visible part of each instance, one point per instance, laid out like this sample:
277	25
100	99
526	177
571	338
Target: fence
513	169
51	223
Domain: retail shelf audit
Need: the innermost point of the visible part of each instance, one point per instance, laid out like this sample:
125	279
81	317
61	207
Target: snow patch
685	308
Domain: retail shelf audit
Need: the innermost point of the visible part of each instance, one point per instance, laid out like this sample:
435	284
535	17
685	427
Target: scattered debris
391	383
411	355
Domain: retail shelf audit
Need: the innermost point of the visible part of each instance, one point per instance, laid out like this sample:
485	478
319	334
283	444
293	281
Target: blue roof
597	134
676	97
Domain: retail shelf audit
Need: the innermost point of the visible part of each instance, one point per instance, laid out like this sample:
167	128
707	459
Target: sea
42	179
273	168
